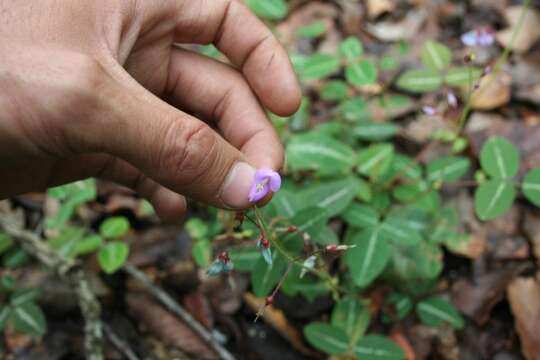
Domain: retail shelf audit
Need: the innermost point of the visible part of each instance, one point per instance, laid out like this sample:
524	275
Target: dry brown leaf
167	327
276	318
378	7
531	227
528	34
494	91
524	298
404	30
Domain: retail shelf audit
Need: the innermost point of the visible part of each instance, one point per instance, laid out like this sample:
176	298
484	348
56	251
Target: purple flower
265	180
429	110
479	37
452	99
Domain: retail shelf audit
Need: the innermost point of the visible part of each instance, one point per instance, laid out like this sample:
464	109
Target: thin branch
120	345
174	307
69	271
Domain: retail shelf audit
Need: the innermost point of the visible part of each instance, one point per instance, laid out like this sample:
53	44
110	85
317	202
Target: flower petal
263	173
275	182
256	193
470	38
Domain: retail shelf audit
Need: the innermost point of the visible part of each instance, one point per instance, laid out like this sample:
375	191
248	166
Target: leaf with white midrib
437	313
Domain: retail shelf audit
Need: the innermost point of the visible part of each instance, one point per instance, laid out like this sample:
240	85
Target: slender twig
121	345
174	307
70	272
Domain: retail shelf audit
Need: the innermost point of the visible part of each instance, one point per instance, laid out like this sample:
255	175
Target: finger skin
248	44
220	93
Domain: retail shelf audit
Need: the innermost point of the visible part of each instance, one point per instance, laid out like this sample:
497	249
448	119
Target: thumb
173	148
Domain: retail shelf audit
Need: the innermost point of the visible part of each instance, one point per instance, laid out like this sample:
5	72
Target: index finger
248	44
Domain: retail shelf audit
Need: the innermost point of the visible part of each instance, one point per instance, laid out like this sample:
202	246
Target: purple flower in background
265	180
429	110
452	99
479	37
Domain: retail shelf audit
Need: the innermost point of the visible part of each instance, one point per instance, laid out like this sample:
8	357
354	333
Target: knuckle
189	153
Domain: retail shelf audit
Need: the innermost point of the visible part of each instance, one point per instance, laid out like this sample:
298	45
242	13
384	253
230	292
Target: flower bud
265	243
292	229
269	300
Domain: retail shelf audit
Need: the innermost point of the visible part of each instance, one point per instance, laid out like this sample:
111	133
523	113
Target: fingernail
236	188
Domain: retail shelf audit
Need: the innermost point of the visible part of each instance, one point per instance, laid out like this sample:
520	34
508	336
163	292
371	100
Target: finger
219	92
169	205
171	147
250	46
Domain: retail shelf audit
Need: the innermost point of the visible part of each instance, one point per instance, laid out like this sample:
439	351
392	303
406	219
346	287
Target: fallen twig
69	271
174	307
119	343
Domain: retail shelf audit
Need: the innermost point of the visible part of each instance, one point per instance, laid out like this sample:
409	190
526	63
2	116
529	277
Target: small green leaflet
244	258
499	158
28	318
333	196
361	73
420	80
531	186
396	307
5	242
88	244
371	131
334	90
313	30
436	311
352	316
360	216
285	202
493	198
462	76
449	168
326	236
112	256
369	256
268	9
376	347
355	109
376	160
435	55
325	337
5	312
319	153
396	229
264	277
319	66
114	227
202	251
422	261
351	48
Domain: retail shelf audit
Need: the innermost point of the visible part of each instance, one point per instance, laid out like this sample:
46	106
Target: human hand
81	89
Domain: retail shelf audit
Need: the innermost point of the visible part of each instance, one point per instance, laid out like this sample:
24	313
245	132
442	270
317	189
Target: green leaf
406	168
313	30
449	168
244	258
396	229
376	160
352	316
326	236
21	296
371	131
420	80
300	120
5	312
202	252
196	228
369	258
435	55
376	347
285	202
319	153
531	186
15	257
310	220
88	245
334	90
319	66
5	242
493	198
29	319
436	311
360	216
355	109
351	48
462	76
7	283
268	9
66	243
361	73
265	277
114	227
410	192
325	337
112	256
499	158
422	261
396	307
334	196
